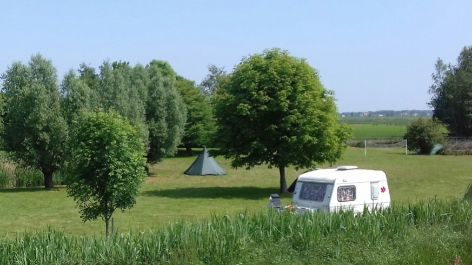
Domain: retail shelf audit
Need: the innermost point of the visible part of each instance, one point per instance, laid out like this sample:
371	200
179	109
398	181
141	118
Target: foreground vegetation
424	233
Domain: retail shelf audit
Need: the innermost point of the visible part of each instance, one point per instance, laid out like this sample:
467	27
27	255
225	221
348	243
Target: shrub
423	134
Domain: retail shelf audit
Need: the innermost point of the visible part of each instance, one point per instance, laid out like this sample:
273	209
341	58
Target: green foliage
76	96
425	233
88	75
166	114
165	69
274	110
34	128
116	91
214	80
200	124
423	134
109	161
451	97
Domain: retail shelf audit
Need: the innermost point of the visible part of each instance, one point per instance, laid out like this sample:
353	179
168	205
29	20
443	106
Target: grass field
169	195
381	131
390	120
378	127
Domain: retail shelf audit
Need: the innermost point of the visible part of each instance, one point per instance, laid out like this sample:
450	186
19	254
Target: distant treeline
380	113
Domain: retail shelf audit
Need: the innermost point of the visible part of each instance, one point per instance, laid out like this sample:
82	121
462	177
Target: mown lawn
169	195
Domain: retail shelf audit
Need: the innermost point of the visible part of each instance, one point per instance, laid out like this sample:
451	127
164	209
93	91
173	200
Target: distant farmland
381	131
392	120
378	127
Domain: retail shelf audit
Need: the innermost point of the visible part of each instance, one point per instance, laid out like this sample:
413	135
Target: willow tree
166	114
35	131
275	111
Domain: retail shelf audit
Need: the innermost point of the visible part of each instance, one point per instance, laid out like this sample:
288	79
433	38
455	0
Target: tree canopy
451	94
166	114
214	80
275	111
109	159
146	96
200	123
35	131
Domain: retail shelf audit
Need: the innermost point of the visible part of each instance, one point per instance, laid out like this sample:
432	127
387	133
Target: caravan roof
346	174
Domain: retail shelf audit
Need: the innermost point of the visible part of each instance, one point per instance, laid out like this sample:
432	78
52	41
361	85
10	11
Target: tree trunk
189	150
107	222
48	180
283	183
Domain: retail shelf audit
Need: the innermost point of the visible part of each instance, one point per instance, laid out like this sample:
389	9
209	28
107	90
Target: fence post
365	148
406	146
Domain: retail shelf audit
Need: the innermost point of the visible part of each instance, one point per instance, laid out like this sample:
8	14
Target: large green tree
166	114
109	159
275	111
35	131
452	94
200	123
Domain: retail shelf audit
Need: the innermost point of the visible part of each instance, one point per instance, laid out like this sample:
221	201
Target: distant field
382	131
378	127
394	120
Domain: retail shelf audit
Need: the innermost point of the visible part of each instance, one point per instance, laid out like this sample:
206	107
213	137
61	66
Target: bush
423	134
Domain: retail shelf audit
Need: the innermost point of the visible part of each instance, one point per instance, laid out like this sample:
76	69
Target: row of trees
38	112
105	126
272	109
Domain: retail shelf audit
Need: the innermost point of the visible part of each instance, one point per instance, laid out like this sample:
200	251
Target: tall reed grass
15	176
432	232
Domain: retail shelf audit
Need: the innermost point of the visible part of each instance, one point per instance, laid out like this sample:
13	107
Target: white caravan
346	187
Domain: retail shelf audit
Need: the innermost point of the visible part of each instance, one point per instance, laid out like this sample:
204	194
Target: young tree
109	159
34	128
200	124
423	134
274	110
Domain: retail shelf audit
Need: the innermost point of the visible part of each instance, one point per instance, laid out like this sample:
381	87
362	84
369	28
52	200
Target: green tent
205	165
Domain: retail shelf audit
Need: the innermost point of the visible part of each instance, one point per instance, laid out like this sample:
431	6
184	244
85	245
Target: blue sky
374	54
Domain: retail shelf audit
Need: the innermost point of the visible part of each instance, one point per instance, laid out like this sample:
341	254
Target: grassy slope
170	195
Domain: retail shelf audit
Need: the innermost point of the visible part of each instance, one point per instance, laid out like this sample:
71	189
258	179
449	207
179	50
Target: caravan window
312	191
346	193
